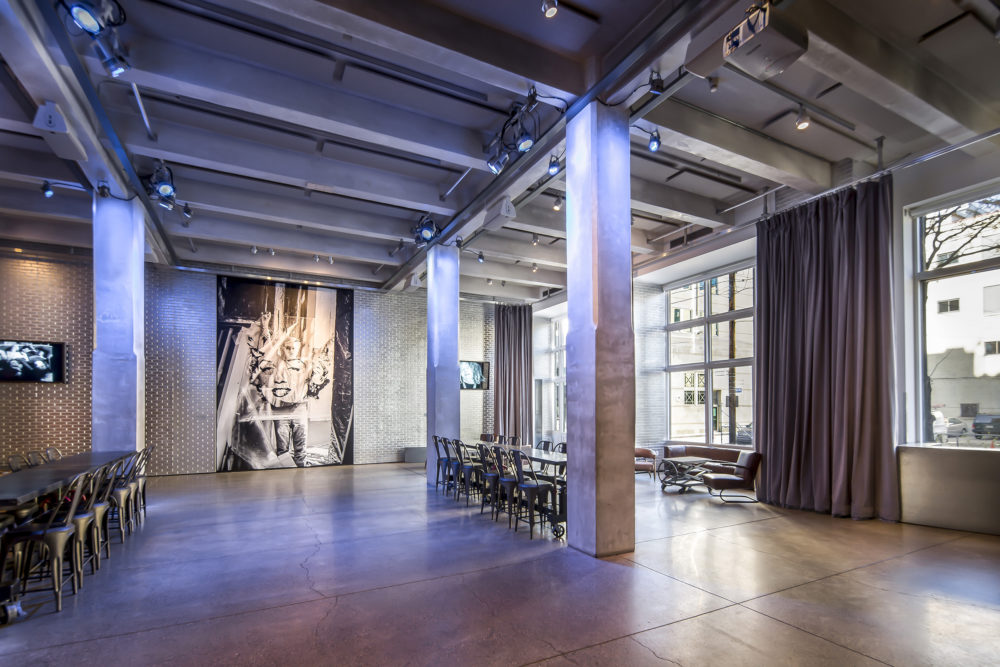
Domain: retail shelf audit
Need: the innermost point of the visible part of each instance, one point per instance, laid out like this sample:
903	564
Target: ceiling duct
770	50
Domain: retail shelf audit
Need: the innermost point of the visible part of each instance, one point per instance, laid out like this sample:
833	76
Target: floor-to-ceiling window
710	357
958	256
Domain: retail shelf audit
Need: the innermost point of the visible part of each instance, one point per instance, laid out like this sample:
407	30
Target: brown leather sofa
645	461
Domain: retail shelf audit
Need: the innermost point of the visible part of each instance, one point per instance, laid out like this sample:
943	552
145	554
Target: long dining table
25	485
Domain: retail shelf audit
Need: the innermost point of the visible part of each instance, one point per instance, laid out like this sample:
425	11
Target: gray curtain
823	418
512	394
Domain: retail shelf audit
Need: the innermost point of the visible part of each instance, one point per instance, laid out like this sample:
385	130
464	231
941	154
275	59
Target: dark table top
26	485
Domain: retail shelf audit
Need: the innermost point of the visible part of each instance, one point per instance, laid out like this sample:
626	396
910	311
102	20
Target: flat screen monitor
474	374
32	361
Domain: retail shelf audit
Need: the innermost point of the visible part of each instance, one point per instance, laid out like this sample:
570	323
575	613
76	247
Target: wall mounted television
474	374
32	361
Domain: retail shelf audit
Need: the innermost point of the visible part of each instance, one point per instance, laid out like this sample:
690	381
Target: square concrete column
600	347
118	384
443	387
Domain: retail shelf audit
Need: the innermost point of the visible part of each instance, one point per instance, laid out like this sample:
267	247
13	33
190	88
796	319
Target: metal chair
507	482
17	462
52	454
530	490
36	459
490	476
560	447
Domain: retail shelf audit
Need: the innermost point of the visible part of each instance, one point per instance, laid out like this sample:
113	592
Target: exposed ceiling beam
469	285
52	232
543	220
441	39
301	210
212	150
686	129
248	88
495	246
227	255
517	273
30	166
63	206
246	234
849	53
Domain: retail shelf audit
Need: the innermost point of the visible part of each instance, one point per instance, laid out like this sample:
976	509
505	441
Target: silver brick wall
47	300
180	370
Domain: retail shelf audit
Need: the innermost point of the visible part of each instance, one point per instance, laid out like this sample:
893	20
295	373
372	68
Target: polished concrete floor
365	566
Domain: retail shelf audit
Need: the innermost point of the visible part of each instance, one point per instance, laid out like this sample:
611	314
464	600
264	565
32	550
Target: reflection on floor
363	565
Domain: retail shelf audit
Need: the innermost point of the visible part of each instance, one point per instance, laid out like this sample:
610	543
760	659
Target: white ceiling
326	129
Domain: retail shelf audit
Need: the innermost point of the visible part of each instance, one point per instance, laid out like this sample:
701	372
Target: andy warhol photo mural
285	362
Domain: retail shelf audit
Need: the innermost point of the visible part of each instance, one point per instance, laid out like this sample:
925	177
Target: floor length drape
512	395
824	355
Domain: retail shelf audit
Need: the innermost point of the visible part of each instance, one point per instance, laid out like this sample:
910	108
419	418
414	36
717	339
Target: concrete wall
52	301
47	300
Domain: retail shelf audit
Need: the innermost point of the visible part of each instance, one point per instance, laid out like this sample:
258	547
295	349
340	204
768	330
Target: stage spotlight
425	231
498	162
47	190
525	142
557	204
654	141
85	17
553	165
534	239
549	8
480	258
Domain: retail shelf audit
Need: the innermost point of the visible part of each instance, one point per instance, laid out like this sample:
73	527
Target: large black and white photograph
25	361
285	393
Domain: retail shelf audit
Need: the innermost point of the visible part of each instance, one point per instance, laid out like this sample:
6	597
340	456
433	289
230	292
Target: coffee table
681	471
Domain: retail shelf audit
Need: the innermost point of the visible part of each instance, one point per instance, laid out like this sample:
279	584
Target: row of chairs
71	528
503	478
32	459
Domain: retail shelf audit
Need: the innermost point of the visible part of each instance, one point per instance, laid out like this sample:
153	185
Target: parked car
952	427
986	426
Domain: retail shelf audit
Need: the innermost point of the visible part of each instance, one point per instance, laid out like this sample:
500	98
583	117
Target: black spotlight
47	190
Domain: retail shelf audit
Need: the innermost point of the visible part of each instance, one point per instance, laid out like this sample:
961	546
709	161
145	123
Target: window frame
707	365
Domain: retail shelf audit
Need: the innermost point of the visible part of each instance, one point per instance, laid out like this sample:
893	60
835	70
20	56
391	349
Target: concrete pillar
443	387
600	347
118	384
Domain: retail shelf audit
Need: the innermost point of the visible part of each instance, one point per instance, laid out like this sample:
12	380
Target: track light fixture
553	165
534	268
550	8
270	251
802	120
654	141
316	258
480	258
517	134
254	250
557	204
656	85
489	281
92	20
534	239
160	186
47	190
187	212
331	259
498	162
713	84
425	231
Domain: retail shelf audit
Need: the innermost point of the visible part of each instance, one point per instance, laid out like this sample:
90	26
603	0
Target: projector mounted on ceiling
764	44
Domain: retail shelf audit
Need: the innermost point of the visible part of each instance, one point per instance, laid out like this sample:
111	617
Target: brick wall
47	300
180	370
475	343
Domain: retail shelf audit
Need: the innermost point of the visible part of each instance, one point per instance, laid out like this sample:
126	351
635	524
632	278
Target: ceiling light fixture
498	162
47	190
425	231
656	85
480	258
187	212
110	52
316	258
331	259
654	141
525	142
557	204
85	17
713	84
254	250
489	281
160	186
553	165
550	8
534	239
271	251
534	268
802	120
